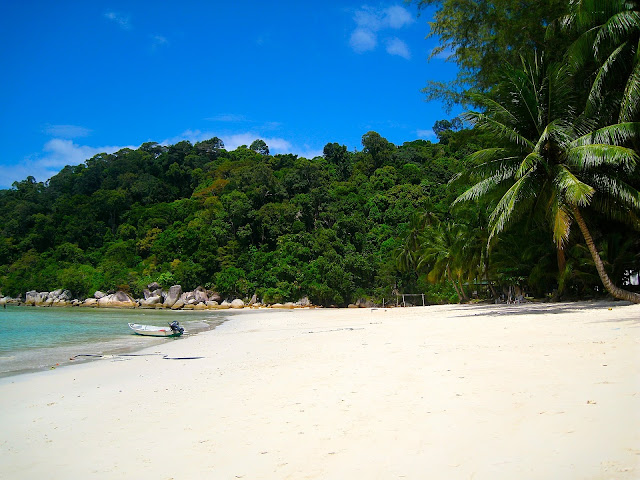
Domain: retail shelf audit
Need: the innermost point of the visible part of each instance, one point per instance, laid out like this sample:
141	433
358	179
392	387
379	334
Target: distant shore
533	391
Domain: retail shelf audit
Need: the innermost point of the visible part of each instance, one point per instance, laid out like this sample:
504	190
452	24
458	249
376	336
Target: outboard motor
176	328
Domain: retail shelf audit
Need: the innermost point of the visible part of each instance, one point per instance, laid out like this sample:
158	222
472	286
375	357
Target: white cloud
428	134
234	140
122	20
371	23
395	46
368	18
158	41
363	40
397	17
56	154
275	144
67	131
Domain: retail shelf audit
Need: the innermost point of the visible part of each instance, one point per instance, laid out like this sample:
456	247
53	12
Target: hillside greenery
239	222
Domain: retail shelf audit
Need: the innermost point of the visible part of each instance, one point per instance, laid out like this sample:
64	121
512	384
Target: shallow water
38	338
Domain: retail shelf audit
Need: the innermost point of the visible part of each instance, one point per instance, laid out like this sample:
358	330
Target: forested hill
239	222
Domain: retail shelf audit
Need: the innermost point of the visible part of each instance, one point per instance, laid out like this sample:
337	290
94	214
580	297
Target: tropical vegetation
533	191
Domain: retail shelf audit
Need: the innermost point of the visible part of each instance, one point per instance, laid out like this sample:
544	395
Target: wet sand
534	391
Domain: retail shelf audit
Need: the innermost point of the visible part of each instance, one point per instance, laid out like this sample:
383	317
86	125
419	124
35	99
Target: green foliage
241	222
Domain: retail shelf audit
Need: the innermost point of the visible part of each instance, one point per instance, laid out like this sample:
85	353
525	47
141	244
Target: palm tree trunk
616	292
464	294
454	283
562	265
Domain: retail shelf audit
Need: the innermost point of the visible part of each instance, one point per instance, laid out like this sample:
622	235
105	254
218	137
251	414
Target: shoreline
533	391
61	356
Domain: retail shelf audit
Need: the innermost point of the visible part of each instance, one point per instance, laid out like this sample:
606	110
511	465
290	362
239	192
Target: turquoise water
37	338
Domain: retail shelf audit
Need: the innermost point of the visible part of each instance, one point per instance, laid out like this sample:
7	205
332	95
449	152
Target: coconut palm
440	255
605	52
551	158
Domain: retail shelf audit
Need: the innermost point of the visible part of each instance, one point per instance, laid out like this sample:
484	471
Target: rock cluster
154	296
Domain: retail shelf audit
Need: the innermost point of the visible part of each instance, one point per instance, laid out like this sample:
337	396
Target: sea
43	338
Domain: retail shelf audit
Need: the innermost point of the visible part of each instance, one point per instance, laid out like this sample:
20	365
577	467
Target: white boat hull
153	331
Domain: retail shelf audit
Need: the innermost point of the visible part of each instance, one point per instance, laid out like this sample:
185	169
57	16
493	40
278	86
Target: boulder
151	302
200	294
178	304
99	294
173	295
117	300
253	300
212	304
90	302
288	305
224	305
365	303
56	293
154	286
214	297
237	303
304	302
30	297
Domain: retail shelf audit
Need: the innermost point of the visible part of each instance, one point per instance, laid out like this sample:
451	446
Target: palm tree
551	158
441	255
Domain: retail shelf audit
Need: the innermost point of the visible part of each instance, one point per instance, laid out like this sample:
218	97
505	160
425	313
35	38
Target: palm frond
619	190
619	26
506	209
595	97
617	134
580	52
500	130
630	107
529	164
493	108
480	189
560	222
488	154
589	156
574	191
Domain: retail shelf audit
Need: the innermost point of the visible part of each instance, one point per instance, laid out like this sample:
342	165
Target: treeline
554	86
239	222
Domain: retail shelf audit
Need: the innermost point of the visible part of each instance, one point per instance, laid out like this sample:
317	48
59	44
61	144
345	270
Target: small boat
174	330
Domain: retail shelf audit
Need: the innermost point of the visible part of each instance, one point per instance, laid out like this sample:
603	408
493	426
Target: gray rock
154	286
99	294
237	303
117	300
304	302
153	301
177	304
30	297
200	294
174	293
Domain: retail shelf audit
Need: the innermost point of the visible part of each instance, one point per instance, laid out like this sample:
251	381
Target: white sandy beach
538	391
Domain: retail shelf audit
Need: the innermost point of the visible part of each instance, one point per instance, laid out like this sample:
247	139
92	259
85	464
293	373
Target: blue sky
80	78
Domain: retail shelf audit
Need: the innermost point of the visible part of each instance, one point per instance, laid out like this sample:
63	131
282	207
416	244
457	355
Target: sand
535	391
